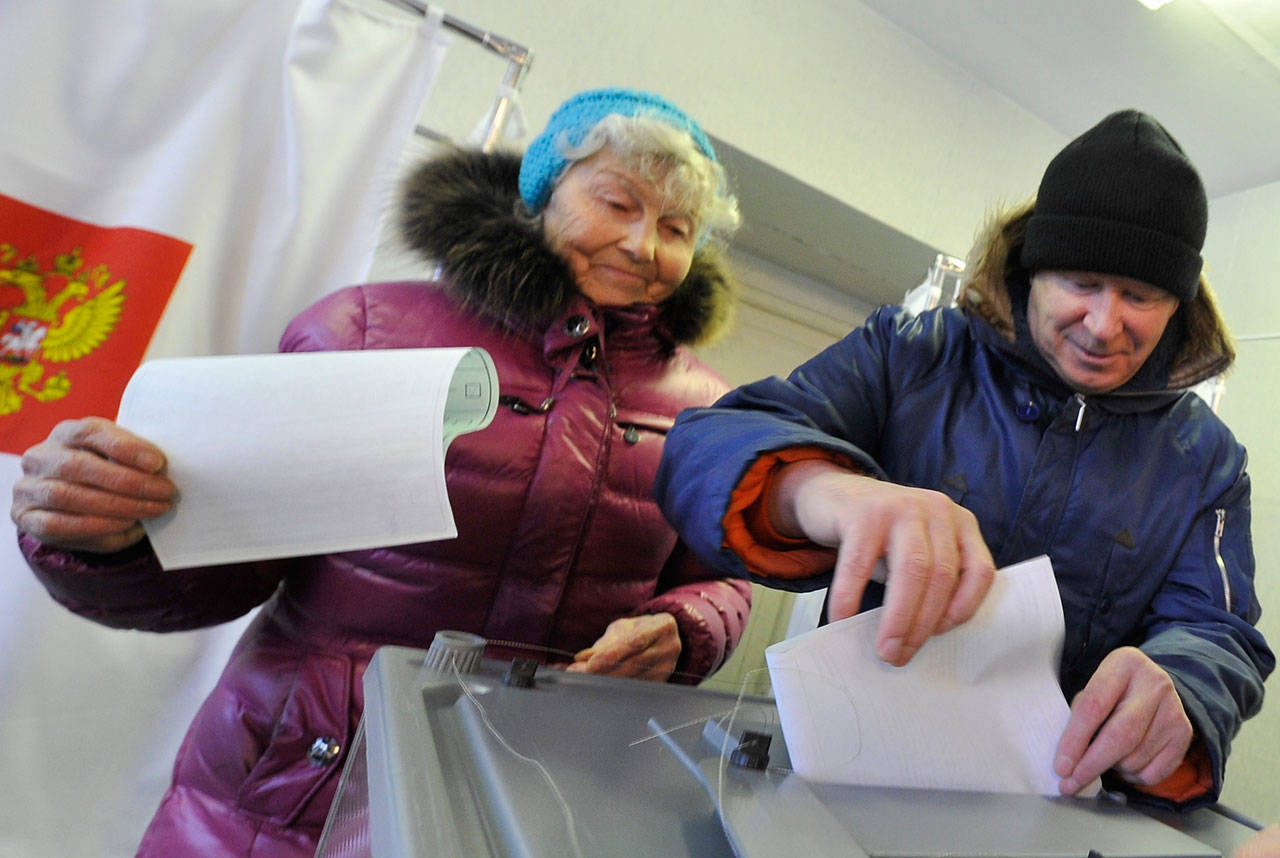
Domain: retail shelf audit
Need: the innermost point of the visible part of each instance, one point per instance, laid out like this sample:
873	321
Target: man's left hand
1128	718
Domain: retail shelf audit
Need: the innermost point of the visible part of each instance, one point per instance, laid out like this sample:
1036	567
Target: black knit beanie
1122	198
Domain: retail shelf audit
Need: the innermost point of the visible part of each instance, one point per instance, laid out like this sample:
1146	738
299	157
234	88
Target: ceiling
1209	70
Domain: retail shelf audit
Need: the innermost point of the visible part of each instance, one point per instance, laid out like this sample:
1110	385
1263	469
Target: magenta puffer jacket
558	535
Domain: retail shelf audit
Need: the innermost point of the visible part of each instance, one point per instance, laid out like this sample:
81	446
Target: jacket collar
582	322
1027	362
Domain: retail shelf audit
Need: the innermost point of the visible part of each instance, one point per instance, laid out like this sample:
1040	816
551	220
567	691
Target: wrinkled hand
1264	844
939	568
88	485
1130	718
644	647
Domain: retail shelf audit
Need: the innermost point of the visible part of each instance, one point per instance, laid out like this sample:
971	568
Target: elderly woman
583	269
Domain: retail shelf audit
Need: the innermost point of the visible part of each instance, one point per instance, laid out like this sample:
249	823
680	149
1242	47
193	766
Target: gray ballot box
485	762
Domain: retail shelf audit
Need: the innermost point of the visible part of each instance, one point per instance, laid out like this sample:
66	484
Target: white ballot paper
302	453
978	708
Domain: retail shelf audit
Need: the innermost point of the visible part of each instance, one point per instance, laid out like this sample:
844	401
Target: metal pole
518	58
513	78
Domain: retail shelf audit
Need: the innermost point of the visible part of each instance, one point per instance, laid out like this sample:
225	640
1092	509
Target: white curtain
251	146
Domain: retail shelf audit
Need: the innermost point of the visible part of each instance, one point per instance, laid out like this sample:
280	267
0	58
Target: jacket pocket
638	426
308	743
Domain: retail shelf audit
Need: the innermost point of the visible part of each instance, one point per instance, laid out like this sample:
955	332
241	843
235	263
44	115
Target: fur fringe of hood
1196	346
462	210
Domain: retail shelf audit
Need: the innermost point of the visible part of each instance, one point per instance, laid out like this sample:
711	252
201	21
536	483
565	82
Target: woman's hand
939	567
88	485
644	647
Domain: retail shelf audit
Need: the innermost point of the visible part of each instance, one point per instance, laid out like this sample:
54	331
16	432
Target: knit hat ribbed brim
1122	199
544	160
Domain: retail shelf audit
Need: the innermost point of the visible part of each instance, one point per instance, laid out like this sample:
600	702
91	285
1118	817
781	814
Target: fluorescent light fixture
1154	4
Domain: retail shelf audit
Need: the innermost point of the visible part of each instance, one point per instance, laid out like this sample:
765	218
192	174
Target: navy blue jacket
1140	500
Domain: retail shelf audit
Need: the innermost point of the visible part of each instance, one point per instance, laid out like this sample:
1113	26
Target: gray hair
668	157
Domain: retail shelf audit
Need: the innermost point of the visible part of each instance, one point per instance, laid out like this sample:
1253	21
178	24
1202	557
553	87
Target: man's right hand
88	485
939	566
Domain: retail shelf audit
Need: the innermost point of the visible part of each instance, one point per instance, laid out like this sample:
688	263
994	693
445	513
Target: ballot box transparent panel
453	763
470	765
346	831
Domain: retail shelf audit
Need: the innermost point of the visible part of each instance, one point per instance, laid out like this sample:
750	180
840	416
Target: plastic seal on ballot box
454	651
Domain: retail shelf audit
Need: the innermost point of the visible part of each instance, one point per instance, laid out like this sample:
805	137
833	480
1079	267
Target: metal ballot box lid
489	763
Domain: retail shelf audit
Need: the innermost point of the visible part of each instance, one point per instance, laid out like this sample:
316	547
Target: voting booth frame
475	757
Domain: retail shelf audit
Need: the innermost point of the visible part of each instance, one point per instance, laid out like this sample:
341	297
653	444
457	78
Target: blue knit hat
544	160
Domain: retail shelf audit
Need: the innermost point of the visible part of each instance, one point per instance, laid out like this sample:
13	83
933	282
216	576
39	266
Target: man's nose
1103	318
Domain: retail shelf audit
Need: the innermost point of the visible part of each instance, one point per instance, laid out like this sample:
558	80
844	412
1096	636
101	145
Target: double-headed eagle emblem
64	315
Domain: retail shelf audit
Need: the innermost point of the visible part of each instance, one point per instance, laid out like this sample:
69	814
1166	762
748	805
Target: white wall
1244	257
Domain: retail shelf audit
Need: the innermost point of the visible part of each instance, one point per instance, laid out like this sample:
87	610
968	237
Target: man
1048	415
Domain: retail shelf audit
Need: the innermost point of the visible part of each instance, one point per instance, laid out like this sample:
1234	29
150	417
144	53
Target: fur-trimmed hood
1196	345
462	210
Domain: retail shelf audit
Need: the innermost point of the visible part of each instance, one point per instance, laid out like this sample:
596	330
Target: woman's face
624	242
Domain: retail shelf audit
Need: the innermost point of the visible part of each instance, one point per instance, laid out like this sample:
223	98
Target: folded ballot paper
978	708
302	453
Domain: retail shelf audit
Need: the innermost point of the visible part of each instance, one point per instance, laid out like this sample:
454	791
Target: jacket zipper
1217	554
1080	413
